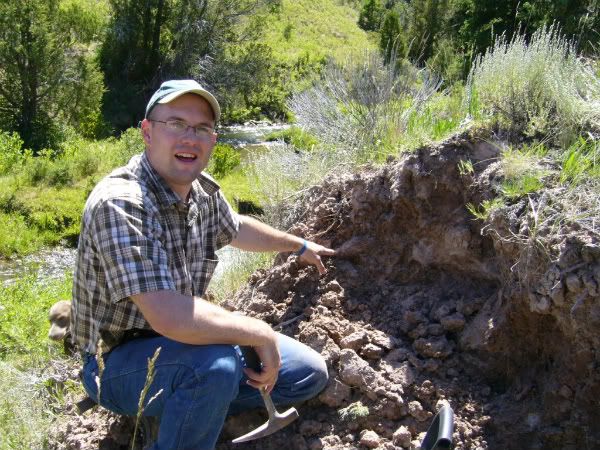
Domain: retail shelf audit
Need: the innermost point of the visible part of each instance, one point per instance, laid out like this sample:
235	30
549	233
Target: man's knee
221	368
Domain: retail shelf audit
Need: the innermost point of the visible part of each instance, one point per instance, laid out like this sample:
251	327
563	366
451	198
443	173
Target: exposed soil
424	306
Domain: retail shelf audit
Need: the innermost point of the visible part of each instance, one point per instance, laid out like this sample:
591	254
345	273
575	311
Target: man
146	255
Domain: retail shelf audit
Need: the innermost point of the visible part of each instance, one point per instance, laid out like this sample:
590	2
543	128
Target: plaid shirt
137	236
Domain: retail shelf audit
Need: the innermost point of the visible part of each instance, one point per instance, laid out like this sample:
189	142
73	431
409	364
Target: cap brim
201	92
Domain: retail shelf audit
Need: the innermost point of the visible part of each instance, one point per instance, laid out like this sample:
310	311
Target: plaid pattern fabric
137	236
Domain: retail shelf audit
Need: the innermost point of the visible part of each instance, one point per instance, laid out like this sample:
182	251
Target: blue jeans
201	385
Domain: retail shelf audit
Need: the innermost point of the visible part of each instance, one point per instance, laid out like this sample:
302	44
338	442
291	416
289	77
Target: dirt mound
424	306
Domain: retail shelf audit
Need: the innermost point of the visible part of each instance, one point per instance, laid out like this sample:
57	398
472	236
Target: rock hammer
276	420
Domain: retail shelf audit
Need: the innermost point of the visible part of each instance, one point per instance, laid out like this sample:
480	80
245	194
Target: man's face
179	157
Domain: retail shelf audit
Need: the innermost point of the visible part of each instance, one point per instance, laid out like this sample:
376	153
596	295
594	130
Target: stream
49	264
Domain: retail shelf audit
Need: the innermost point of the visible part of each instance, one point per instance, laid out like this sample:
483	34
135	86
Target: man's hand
271	363
312	255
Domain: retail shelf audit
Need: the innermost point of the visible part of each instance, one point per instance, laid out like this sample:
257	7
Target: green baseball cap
170	90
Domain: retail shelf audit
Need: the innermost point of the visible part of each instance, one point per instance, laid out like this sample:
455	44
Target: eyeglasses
179	128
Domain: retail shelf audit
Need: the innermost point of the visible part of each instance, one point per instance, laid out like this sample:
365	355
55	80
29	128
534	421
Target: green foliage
295	136
580	163
361	110
538	87
170	37
48	79
223	161
353	412
25	351
478	21
24	318
518	187
465	167
391	43
370	15
485	209
11	154
24	416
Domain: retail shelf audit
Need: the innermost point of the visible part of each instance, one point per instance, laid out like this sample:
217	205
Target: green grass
239	267
295	136
24	322
485	208
580	163
236	185
316	29
28	391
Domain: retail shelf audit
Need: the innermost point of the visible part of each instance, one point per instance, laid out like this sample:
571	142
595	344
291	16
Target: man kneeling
146	254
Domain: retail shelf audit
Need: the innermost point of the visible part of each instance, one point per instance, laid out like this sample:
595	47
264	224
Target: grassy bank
31	386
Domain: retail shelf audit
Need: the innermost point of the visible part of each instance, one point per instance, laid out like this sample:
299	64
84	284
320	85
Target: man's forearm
257	236
192	320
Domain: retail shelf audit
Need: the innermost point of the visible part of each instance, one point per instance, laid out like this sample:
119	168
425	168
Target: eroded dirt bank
421	308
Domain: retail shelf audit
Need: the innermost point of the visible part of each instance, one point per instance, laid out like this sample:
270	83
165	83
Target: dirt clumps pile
424	306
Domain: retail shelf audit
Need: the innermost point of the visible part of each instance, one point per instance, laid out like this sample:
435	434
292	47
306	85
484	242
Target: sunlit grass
316	29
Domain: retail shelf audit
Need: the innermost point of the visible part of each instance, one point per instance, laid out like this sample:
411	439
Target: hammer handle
253	362
251	358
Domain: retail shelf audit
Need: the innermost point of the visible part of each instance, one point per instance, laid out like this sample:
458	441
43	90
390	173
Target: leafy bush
538	87
294	136
224	160
11	152
360	109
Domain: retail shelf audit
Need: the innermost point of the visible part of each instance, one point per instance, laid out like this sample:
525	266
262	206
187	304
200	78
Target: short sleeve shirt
137	236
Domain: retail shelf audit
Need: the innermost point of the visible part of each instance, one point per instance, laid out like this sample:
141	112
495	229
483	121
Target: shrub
224	160
294	136
538	87
10	151
360	110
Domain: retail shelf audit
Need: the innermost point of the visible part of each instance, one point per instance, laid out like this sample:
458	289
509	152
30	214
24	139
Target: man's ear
145	129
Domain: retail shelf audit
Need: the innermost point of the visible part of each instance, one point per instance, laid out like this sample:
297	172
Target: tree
370	15
47	78
391	42
153	40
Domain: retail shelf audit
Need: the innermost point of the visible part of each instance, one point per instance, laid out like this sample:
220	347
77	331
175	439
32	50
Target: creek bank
420	308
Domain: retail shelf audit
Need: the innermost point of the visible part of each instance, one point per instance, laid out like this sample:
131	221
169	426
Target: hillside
319	28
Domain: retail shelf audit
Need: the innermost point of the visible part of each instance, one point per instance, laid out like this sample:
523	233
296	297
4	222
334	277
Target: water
250	134
47	264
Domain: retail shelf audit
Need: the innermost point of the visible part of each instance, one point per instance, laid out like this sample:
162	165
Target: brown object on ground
426	306
60	317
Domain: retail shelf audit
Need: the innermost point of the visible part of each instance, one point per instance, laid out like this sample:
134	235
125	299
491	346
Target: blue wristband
302	250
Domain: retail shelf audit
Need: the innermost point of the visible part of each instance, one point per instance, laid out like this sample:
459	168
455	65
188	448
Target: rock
402	375
335	394
334	286
370	439
402	437
310	427
453	323
539	304
372	351
355	341
354	370
330	299
381	339
415	409
573	283
433	348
